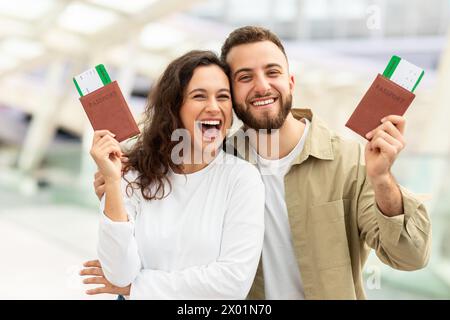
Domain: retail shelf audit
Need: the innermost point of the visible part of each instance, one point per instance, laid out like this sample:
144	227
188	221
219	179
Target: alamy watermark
374	20
373	279
190	150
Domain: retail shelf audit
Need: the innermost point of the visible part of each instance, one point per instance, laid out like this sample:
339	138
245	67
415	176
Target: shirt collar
317	144
318	141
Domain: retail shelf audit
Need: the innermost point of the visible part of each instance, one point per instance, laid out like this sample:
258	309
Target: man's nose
262	86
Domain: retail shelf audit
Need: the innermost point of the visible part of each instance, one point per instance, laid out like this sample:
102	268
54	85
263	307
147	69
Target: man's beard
265	121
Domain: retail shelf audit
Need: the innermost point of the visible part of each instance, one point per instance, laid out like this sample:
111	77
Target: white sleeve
117	248
231	275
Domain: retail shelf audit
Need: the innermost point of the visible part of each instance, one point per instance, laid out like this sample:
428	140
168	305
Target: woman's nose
213	106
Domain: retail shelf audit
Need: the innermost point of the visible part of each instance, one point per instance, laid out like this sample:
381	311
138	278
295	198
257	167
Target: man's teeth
211	122
263	102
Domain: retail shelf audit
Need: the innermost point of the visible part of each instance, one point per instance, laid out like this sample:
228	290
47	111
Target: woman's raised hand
106	153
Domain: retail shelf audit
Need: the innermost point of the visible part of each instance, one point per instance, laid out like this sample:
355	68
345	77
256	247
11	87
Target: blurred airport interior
49	212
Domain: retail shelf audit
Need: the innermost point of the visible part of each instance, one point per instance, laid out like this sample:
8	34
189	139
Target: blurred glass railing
427	175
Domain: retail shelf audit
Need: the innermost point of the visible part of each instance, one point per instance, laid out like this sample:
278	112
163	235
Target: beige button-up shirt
335	221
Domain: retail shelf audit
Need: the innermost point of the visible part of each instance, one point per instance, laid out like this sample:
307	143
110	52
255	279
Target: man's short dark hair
249	34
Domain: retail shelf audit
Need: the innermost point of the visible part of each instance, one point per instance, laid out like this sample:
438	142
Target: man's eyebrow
270	65
241	70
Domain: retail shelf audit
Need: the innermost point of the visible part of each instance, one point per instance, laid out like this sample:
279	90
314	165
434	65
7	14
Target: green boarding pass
91	80
403	73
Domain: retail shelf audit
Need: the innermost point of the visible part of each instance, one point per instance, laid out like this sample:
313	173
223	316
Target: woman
185	221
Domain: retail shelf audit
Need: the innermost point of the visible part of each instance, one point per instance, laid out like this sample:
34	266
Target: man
327	200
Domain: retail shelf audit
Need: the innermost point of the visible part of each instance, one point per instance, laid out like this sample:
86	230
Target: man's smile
263	103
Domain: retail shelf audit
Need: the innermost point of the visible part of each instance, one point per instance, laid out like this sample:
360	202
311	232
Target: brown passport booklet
383	98
106	108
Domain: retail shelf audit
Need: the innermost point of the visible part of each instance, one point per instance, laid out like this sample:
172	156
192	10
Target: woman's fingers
106	150
97	175
100	191
124	161
99	179
105	140
99	184
101	138
98	134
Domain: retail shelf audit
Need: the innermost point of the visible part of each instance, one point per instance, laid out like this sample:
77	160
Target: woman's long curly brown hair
151	154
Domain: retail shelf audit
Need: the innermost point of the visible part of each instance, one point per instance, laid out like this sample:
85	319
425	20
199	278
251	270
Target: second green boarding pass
403	73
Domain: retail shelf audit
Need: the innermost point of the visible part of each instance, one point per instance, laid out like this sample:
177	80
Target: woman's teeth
210	129
211	122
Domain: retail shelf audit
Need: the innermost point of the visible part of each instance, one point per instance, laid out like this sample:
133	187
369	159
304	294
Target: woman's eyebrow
197	89
201	90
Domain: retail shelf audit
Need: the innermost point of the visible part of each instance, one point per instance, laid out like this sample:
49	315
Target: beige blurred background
48	211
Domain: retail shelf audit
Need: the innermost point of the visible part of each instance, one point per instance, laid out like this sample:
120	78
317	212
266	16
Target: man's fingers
384	147
92	272
95	280
392	130
389	139
388	127
98	290
398	121
92	263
